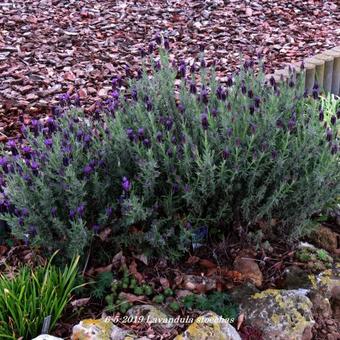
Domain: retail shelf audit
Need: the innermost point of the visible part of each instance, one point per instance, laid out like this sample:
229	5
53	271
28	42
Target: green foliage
102	283
33	294
218	302
170	167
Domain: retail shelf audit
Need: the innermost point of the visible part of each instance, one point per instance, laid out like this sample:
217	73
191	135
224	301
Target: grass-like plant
167	161
32	295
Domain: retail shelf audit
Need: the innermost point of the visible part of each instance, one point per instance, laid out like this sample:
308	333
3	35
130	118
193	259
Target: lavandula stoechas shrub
169	164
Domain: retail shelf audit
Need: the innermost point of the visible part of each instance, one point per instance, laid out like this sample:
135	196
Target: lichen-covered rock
101	329
327	239
326	281
152	315
46	337
210	326
280	314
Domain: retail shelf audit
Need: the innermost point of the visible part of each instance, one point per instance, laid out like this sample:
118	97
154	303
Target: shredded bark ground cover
48	47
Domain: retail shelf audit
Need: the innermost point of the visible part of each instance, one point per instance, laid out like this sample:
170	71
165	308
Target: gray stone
46	337
280	314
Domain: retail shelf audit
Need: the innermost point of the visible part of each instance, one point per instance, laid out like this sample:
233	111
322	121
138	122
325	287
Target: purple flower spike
252	128
229	132
204	121
321	116
230	81
134	94
333	120
291	124
148	105
34	167
204	95
280	124
182	69
126	184
159	136
54	212
146	143
13	147
329	134
72	213
141	133
214	112
226	153
108	211
193	88
96	228
166	44
48	142
334	149
158	39
130	134
338	114
87	170
257	102
81	210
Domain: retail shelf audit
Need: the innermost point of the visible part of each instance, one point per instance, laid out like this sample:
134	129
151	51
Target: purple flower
12	146
168	123
257	102
81	210
66	161
291	124
48	142
141	133
134	94
302	66
229	132
54	212
251	109
148	105
238	142
146	142
130	134
315	91
243	88
159	136
72	213
166	44
151	48
274	154
272	81
193	88
173	140
229	81
334	149
252	128
203	63
214	112
204	121
280	124
250	94
333	120
193	68
321	116
226	153
142	52
108	211
51	124
158	39
181	108
34	167
126	184
338	114
158	65
32	231
221	94
87	170
204	95
169	152
329	134
182	69
96	228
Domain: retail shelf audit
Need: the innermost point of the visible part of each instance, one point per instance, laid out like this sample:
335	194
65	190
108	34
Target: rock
46	337
327	239
198	283
280	314
210	326
335	302
295	278
152	315
92	329
249	269
242	292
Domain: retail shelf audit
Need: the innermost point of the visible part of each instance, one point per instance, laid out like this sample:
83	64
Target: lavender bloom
51	125
169	152
315	91
291	83
193	68
291	124
96	228
338	114
66	161
34	167
81	210
302	66
142	52
146	143
158	39
274	154
126	184
226	153
214	112
280	124
182	69
243	88
329	135
159	136
168	123
204	121
321	116
204	95
333	120
251	109
193	88
134	95
87	170
48	142
229	132
238	142
203	63
257	102
166	44
72	213
148	105
181	108
272	81
141	133
250	94
108	211
24	212
334	149
173	140
221	94
130	134
230	81
54	212
252	128
12	146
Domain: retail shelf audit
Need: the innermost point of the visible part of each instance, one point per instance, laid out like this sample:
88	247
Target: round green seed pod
158	298
168	292
175	306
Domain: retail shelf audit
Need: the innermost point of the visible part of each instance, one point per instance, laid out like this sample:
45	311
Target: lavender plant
163	165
